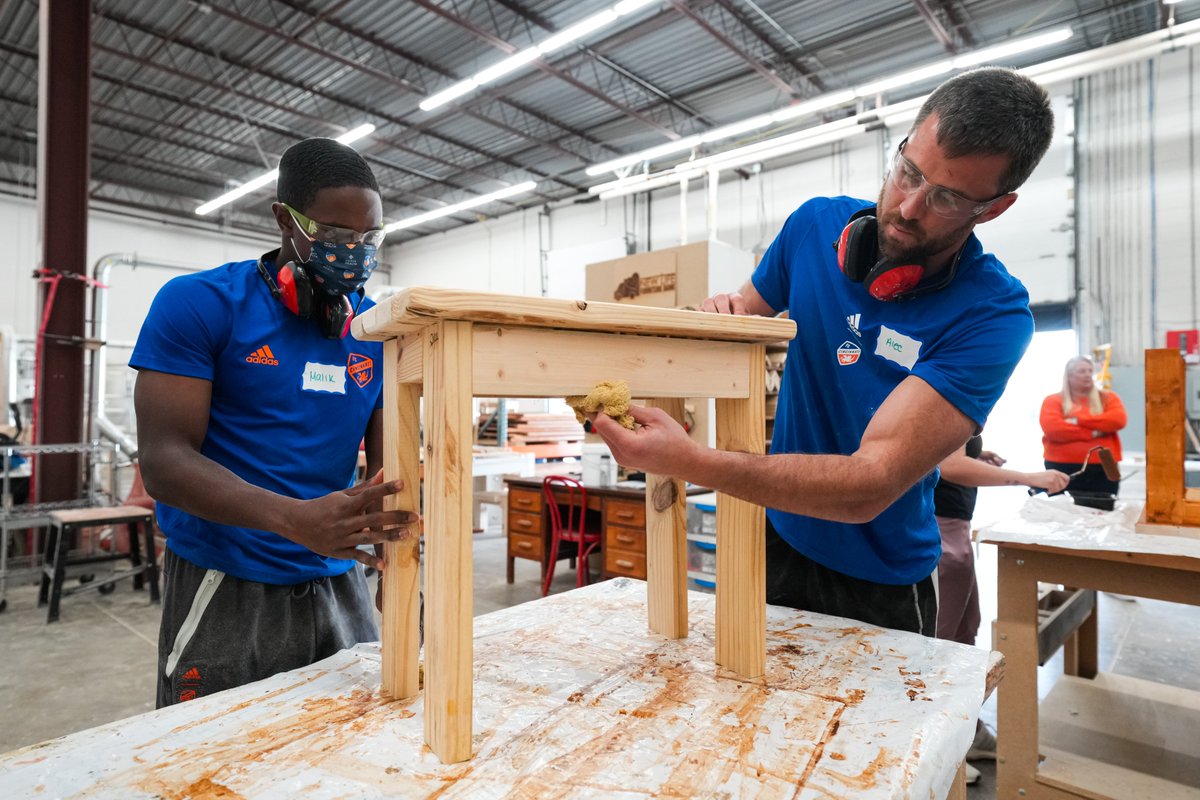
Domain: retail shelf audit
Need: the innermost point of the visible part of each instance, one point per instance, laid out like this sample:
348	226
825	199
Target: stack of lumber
549	435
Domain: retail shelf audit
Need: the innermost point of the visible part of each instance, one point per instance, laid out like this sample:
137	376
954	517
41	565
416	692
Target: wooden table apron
450	346
1021	567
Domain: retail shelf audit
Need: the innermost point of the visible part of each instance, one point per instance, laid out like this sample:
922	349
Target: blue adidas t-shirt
852	350
289	409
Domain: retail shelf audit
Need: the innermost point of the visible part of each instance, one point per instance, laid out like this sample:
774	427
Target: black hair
315	164
993	111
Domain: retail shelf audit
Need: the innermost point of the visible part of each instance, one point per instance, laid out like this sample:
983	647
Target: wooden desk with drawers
622	519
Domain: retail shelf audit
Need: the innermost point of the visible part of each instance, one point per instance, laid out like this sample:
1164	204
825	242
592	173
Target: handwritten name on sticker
895	346
324	378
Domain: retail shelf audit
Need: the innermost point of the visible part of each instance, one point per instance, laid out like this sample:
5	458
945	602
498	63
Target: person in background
958	590
1078	419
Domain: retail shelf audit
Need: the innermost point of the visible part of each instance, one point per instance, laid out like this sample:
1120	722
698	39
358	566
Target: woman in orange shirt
1077	419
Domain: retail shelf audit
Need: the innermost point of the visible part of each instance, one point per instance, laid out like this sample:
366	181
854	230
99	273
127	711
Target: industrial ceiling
191	99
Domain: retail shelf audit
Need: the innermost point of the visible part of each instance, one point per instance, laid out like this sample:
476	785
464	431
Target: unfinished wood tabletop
419	306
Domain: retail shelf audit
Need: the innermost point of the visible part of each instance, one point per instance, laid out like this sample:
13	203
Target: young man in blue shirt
907	334
252	399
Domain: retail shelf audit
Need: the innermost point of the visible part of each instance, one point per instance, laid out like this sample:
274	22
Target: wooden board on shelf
551	450
1117	736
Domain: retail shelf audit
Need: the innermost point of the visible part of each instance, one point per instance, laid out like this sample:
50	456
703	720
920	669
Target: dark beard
920	252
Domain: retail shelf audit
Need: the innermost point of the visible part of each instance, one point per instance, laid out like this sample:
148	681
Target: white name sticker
324	378
895	346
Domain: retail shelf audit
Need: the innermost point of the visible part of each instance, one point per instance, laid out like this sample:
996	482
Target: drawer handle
624	538
621	562
524	523
525	545
625	514
524	501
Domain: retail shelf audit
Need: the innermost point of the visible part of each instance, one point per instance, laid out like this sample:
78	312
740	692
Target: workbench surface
574	697
1056	523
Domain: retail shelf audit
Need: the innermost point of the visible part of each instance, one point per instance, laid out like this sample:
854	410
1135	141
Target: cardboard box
677	277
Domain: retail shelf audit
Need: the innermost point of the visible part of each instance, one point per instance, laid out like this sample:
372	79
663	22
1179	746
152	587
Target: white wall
108	233
131	290
1139	133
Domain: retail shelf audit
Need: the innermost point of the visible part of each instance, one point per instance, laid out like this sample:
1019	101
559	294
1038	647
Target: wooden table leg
958	789
1088	644
741	536
448	569
400	637
1017	703
666	545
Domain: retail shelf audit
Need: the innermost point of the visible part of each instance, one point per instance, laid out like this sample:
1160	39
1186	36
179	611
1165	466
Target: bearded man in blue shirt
252	399
907	334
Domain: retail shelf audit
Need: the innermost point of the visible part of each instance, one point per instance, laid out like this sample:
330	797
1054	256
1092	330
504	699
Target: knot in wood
664	496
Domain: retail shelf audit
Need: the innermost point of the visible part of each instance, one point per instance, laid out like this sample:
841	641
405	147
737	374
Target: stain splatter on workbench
574	697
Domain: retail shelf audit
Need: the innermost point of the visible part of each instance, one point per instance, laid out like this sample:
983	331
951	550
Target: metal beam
546	25
754	64
64	83
935	25
545	66
323	121
803	76
367	70
505	103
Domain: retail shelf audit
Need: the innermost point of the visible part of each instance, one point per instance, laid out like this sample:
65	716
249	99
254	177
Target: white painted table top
1058	522
574	697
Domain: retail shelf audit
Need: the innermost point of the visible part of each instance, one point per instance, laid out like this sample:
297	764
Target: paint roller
1107	463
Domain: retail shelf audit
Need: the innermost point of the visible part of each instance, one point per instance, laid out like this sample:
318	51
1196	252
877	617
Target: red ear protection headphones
859	259
295	290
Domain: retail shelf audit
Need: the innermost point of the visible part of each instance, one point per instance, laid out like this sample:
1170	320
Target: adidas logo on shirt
262	355
853	321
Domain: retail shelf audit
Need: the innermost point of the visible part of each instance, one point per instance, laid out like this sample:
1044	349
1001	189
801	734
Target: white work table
574	697
1095	735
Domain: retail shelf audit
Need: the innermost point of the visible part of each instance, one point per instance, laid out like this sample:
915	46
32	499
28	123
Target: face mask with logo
340	260
341	268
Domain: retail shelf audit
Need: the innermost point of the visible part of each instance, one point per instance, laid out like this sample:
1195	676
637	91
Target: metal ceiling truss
449	153
346	40
605	84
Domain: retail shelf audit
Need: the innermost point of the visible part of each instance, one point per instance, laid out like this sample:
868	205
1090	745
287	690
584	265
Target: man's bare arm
173	414
913	430
966	471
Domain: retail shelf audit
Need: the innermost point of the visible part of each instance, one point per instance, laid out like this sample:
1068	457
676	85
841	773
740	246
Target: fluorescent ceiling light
835	99
520	188
521	58
255	184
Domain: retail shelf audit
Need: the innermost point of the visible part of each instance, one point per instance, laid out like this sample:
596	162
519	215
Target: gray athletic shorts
219	631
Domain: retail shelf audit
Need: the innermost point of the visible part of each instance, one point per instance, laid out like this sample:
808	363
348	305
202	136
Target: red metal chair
576	530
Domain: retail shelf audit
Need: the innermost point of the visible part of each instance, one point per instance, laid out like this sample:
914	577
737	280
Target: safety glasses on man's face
329	233
940	200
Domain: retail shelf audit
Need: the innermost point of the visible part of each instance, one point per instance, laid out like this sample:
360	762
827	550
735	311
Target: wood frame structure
1168	501
450	345
1027	765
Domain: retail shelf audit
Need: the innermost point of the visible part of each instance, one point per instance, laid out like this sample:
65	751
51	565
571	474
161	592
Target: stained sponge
611	397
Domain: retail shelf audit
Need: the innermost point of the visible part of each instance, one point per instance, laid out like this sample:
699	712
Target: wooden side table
451	345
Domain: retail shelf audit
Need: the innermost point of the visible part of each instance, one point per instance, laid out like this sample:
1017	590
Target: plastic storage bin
702	557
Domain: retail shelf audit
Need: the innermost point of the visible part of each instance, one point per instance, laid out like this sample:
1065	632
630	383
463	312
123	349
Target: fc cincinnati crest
361	369
848	353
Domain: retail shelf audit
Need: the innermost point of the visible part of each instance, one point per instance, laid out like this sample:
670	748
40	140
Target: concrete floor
97	663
